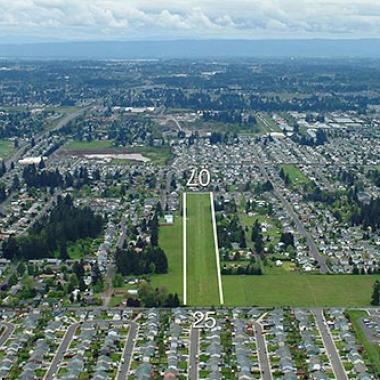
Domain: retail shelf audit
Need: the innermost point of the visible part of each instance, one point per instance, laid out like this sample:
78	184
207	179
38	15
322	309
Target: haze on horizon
24	21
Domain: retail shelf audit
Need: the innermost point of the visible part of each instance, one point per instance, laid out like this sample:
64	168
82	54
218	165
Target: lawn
85	146
81	248
296	177
372	351
202	280
302	290
158	154
6	148
170	240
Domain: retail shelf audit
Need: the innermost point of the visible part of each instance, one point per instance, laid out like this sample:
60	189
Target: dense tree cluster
367	214
230	231
66	223
42	178
287	239
157	297
150	260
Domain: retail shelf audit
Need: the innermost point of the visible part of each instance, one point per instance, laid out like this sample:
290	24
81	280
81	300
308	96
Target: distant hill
362	48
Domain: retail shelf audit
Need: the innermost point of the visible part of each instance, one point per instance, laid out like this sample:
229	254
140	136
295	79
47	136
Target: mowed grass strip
299	290
202	276
170	240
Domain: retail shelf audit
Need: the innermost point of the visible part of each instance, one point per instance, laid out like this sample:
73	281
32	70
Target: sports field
202	275
170	240
303	290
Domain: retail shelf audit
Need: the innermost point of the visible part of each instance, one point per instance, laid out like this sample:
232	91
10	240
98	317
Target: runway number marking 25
204	320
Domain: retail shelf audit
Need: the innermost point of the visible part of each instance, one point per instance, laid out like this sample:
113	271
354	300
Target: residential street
266	373
193	354
128	352
9	328
332	353
61	351
300	227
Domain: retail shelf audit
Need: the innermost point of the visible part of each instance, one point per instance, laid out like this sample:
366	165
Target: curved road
9	328
68	337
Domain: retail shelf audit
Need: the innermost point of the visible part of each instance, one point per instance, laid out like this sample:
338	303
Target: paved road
178	125
193	354
9	328
65	120
300	227
328	342
111	268
16	156
128	352
266	373
59	355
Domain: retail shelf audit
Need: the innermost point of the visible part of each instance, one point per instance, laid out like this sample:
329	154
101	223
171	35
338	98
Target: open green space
296	177
86	146
295	289
266	123
6	148
372	351
157	154
202	276
170	240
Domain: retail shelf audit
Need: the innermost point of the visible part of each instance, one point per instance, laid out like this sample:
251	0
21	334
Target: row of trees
248	269
39	177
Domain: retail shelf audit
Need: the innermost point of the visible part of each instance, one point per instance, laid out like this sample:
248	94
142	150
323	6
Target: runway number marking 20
203	178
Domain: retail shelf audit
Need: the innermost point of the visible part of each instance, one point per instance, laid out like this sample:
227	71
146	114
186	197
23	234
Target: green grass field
372	351
202	280
159	155
94	145
170	240
6	148
294	289
296	177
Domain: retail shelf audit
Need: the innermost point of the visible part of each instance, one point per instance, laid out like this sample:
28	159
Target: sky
97	20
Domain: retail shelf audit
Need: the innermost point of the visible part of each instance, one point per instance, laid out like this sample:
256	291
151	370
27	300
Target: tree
257	237
12	280
118	281
21	269
78	269
375	299
287	238
63	255
242	243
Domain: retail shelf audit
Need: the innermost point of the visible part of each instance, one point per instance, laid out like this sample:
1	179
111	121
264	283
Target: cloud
142	19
